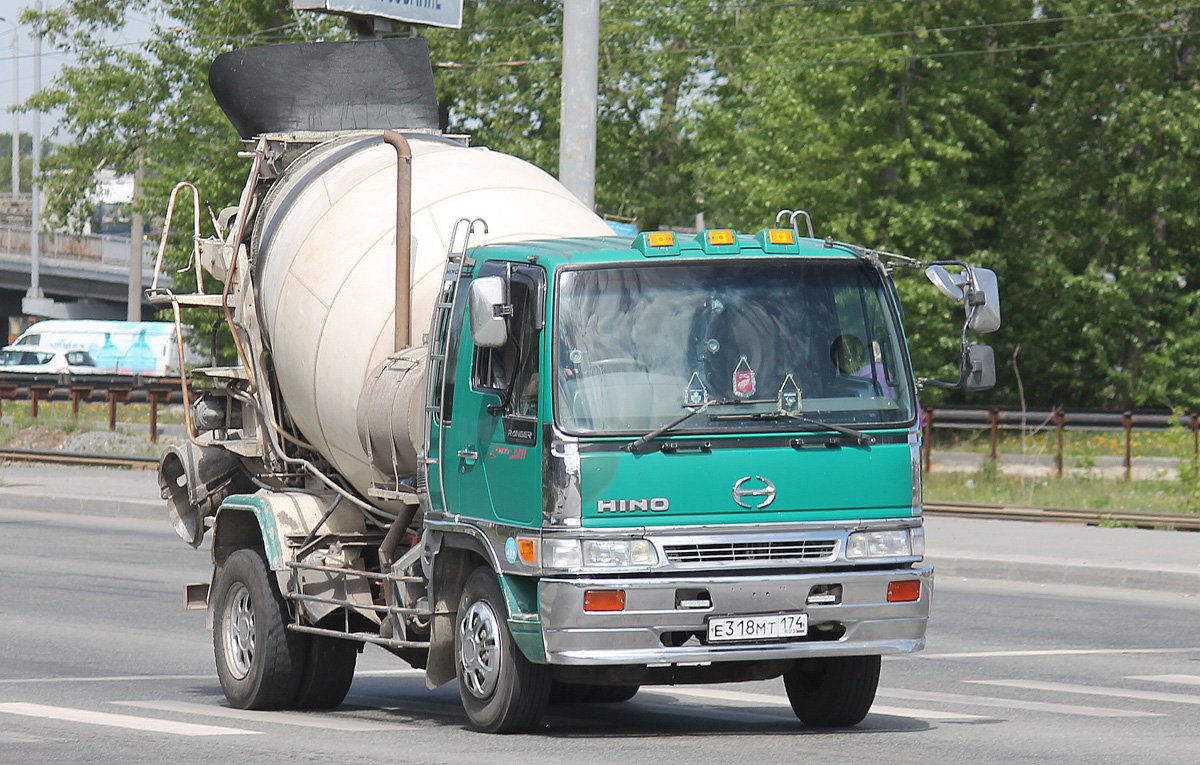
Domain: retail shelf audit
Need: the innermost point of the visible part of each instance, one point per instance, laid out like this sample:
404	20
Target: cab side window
511	369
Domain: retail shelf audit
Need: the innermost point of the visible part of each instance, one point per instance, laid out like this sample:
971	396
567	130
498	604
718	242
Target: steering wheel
620	364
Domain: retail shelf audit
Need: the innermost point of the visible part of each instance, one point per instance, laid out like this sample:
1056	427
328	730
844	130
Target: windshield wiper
860	438
638	444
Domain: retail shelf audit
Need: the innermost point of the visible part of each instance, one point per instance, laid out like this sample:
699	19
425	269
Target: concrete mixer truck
468	424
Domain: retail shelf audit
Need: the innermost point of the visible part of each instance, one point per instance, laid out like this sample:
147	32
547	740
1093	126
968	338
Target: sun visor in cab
330	86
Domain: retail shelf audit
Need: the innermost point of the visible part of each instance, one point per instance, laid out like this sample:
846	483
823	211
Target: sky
52	61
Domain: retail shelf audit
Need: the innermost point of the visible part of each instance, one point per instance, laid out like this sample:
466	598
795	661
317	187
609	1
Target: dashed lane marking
988	701
761	698
148	724
303	719
1178	679
1092	690
109	679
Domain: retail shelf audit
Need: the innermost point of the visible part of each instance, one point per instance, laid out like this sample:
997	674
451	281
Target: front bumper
864	622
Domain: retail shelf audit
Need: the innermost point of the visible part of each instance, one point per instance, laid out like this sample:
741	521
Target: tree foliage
1054	141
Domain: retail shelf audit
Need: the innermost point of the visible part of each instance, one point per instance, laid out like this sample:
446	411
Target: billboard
438	13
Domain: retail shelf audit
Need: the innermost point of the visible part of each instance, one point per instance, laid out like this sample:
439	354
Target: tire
834	692
581	693
328	673
259	661
501	690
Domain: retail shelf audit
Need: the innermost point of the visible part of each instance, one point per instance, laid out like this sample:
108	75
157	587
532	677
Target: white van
117	347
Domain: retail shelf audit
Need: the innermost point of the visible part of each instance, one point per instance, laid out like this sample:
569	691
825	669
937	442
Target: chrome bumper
635	635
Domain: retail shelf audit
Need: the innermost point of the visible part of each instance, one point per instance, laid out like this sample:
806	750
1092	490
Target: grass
55	421
1077	443
1152	496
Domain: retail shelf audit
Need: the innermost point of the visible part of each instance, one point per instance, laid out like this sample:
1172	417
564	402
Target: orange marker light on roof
781	236
722	236
660	238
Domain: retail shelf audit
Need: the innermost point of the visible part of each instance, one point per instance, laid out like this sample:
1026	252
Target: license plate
773	627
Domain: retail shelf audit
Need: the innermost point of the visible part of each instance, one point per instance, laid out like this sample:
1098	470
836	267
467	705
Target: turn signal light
527	548
604	600
905	591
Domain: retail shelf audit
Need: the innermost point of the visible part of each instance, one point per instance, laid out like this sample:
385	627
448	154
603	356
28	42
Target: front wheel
259	660
501	690
834	692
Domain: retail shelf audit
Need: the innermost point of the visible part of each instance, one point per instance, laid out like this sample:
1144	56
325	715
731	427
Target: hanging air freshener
696	393
789	396
744	381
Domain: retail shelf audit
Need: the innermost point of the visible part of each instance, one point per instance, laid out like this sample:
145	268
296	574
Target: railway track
1124	518
1175	521
83	459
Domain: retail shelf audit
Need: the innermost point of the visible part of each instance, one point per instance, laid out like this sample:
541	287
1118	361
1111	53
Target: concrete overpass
86	276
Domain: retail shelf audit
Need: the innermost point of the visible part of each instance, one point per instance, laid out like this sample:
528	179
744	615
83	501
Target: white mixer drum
325	259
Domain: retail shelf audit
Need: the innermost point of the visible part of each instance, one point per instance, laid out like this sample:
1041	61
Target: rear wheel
501	690
834	692
328	672
259	661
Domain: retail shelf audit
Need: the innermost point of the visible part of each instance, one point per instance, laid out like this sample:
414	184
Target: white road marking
761	698
131	722
303	719
1091	690
110	679
1051	652
1179	679
988	701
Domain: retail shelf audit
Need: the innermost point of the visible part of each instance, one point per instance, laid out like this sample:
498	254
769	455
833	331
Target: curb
79	504
1042	572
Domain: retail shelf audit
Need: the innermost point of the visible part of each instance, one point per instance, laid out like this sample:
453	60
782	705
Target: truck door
493	467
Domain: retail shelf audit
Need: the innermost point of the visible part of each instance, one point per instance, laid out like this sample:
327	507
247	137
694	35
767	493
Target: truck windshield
636	346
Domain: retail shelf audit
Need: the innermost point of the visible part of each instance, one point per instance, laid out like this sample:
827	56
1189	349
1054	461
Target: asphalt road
100	663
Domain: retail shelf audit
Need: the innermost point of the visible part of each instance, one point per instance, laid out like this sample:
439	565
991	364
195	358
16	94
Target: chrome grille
739	552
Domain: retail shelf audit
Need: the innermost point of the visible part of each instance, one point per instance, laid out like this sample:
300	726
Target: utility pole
580	74
35	222
16	130
136	235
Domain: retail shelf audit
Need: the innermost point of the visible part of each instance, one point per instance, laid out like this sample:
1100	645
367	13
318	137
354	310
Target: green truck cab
687	460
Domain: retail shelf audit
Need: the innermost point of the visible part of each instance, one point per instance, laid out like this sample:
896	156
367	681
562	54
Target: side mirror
978	368
983	301
488	306
977	287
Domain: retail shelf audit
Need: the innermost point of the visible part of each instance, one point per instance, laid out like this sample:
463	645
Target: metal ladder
439	331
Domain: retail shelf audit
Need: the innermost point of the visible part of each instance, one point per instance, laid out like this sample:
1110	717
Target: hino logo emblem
766	490
654	505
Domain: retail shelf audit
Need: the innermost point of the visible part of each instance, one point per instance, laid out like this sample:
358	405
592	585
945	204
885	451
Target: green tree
499	79
151	98
1107	210
891	123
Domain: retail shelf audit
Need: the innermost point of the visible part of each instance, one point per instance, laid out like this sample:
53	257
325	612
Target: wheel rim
479	649
239	631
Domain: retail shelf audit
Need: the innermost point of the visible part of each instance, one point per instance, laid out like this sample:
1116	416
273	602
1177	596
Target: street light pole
16	115
580	73
35	222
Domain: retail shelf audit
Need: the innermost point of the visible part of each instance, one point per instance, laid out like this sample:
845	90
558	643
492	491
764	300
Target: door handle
468	455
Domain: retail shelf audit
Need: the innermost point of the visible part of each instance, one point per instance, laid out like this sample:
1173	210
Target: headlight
599	553
618	552
561	553
879	544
